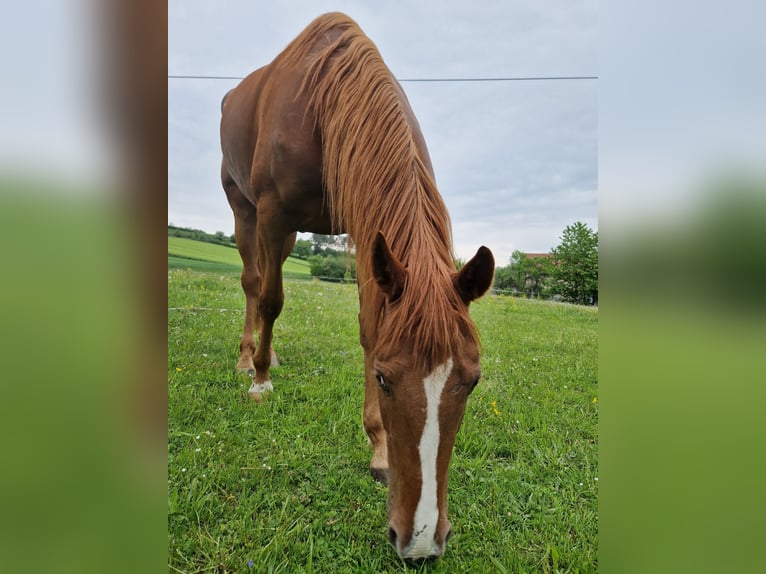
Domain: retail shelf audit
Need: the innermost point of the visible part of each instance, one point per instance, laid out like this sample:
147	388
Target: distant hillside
218	238
188	253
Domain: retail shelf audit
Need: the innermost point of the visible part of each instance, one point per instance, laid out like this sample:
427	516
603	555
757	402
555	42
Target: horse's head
424	379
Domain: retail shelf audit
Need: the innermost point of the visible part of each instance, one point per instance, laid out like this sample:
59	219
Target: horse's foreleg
373	422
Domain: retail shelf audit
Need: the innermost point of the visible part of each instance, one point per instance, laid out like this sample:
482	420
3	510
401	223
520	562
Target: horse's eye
382	383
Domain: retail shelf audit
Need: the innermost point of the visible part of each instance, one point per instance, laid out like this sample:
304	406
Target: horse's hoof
274	360
259	391
250	371
379	474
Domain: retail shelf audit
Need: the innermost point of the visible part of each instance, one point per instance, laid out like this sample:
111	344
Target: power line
501	79
434	80
189	77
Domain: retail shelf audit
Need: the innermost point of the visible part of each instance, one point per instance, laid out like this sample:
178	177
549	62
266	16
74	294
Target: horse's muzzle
418	549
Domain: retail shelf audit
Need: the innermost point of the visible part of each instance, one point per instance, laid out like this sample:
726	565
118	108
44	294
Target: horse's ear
388	272
473	280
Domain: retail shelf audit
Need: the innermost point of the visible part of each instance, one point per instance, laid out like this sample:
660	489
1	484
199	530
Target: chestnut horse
323	140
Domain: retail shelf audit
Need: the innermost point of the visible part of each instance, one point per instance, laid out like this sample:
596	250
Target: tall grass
283	486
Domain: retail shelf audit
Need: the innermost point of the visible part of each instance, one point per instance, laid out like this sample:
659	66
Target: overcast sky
516	162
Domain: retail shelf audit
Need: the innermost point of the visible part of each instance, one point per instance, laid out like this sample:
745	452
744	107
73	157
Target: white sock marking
260	388
427	512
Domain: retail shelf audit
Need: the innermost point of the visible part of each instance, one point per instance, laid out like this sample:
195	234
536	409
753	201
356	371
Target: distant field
284	486
190	254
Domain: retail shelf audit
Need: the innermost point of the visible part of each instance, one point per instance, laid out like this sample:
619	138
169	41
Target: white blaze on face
427	512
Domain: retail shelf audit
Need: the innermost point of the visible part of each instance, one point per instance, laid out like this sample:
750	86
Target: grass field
284	486
201	256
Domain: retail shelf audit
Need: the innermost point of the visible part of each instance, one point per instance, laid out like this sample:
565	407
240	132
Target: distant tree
459	263
232	238
518	269
575	268
530	273
504	279
302	249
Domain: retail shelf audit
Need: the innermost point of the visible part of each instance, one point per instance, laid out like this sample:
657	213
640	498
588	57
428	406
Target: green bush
332	266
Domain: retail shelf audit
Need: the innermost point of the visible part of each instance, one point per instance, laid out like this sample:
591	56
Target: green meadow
284	486
190	254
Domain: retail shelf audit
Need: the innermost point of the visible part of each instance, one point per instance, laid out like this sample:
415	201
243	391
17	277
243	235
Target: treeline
568	273
219	237
329	256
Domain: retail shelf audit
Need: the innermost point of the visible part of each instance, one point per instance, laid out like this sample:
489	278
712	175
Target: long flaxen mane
375	179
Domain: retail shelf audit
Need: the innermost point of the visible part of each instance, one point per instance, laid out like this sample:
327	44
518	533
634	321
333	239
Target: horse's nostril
392	536
446	538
